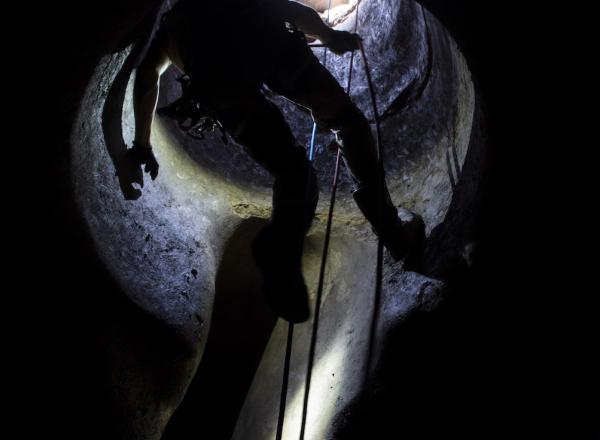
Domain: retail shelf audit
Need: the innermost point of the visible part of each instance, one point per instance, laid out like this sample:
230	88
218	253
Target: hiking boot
402	231
412	247
280	263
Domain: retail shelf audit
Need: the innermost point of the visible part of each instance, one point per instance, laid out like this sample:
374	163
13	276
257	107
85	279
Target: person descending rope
228	51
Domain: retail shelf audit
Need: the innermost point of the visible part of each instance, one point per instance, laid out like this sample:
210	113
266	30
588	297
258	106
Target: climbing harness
191	115
379	267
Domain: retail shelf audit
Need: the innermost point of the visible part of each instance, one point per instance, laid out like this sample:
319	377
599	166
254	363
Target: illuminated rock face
333	11
322	5
167	248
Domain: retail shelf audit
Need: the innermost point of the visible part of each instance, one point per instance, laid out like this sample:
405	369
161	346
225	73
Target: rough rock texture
166	247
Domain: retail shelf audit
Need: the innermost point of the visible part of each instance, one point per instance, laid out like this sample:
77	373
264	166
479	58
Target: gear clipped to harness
191	115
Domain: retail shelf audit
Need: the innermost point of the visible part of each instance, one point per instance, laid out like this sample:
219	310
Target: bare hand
143	155
129	174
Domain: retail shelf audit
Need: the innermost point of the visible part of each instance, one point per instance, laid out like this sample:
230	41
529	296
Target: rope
320	288
313	137
380	178
313	341
284	386
288	348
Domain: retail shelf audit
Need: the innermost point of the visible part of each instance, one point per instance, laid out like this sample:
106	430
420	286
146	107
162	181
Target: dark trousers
259	126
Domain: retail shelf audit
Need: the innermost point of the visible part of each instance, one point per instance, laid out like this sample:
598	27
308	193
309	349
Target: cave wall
164	249
514	346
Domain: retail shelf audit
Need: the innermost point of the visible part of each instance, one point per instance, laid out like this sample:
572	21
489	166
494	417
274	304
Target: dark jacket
231	43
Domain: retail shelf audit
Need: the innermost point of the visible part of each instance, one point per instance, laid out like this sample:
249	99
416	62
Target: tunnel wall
164	248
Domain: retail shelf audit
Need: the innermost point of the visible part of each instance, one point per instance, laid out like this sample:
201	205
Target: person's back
229	41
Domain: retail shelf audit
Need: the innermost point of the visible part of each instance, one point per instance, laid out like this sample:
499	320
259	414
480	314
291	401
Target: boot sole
286	295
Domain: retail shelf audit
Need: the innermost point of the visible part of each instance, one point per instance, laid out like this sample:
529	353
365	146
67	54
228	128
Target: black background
515	345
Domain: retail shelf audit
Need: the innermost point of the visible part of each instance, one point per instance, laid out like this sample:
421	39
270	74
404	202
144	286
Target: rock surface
166	248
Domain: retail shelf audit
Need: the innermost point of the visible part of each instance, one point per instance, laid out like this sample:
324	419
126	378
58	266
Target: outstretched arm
308	21
145	88
145	98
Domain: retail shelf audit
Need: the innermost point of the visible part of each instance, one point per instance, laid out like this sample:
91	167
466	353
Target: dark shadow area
112	115
509	354
422	390
446	244
240	329
71	326
517	343
86	353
